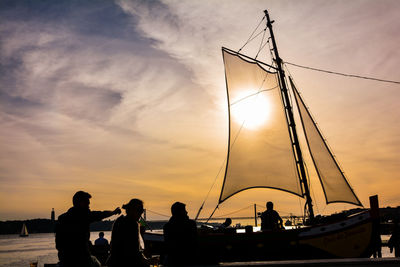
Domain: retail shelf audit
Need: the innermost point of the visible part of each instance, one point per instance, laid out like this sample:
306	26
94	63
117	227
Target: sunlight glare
252	110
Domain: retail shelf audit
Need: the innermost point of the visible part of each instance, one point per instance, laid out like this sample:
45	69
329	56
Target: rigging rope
261	44
260	91
262	47
215	180
158	213
223	216
343	74
250	39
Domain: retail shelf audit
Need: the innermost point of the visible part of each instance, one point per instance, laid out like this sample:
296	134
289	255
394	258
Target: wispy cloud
126	98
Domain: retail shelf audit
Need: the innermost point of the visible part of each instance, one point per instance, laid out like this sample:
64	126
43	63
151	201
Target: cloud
129	96
88	101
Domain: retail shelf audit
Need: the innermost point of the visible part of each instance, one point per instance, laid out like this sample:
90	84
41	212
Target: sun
251	109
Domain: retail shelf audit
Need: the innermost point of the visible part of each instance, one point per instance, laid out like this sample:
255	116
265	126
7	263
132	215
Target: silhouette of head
178	209
101	234
228	221
270	205
81	199
134	208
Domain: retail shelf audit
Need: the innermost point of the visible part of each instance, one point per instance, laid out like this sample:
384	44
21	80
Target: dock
388	262
358	262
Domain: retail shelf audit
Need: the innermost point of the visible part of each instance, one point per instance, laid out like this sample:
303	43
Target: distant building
53	214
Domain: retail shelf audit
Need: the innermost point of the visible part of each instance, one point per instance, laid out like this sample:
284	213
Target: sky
126	99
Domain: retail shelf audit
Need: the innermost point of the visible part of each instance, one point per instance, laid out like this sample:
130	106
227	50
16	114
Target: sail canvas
335	185
262	155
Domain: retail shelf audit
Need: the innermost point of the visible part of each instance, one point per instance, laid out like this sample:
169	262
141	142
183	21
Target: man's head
270	205
81	200
101	234
178	209
134	208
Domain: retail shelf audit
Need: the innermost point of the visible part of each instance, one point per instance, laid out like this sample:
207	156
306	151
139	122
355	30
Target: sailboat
270	156
24	231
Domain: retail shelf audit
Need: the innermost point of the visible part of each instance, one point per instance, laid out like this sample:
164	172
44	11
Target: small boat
269	155
24	231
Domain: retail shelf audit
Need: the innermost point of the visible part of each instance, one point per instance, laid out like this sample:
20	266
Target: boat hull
348	238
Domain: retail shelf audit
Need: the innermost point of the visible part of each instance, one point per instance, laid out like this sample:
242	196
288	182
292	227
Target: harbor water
18	251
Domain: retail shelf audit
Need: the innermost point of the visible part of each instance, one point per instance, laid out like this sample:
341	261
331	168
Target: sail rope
343	74
250	38
209	191
261	43
260	91
234	212
158	213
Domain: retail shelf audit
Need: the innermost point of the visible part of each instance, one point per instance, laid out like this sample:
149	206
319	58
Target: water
16	251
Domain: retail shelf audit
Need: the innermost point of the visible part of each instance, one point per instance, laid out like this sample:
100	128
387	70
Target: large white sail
334	183
260	152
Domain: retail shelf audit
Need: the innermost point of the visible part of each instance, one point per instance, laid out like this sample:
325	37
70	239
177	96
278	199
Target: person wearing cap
127	245
73	234
180	236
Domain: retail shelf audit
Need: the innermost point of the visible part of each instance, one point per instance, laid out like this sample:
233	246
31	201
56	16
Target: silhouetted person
127	245
394	241
377	246
101	248
180	236
101	240
226	224
73	234
270	219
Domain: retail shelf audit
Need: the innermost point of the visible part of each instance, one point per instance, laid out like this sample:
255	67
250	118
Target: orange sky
127	99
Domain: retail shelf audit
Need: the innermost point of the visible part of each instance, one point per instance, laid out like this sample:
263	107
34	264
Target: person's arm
100	215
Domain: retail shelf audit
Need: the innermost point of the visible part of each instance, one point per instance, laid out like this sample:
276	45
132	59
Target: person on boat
270	219
180	236
73	234
127	244
226	224
394	241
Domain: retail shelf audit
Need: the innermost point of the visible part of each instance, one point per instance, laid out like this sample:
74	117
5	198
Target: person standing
101	241
73	234
394	241
270	219
127	245
180	236
101	248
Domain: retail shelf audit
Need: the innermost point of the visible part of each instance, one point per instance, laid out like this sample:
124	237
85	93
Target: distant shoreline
48	226
387	215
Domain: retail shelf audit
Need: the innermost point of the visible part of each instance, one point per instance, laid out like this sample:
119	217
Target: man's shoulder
66	215
119	220
167	225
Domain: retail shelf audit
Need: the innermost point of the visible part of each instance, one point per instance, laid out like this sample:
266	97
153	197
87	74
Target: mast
291	122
